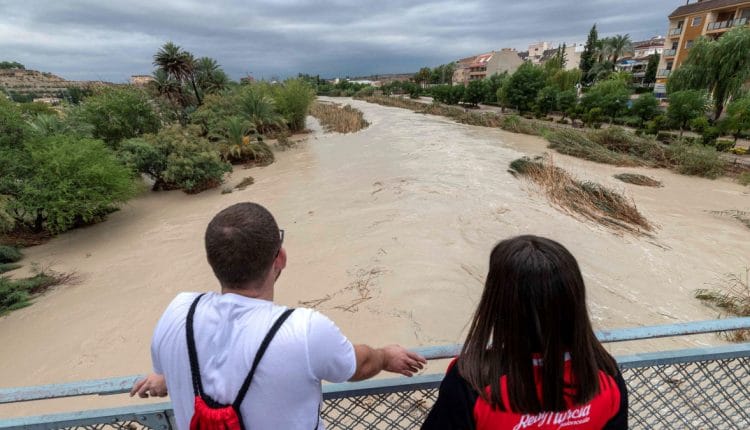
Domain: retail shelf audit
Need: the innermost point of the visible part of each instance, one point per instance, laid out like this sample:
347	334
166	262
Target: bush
119	113
9	254
723	145
657	124
177	158
696	160
293	100
637	179
67	182
737	150
11	124
577	144
710	135
700	124
621	141
7	267
17	293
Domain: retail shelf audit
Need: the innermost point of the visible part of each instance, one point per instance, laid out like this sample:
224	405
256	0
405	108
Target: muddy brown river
388	232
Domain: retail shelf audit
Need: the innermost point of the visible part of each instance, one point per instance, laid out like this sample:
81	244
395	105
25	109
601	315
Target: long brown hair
534	302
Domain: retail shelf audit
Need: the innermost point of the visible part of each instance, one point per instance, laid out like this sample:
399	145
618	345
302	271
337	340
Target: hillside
38	84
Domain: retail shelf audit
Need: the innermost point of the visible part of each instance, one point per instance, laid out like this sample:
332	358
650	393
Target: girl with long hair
531	359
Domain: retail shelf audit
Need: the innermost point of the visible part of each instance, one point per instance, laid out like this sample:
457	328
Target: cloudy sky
113	39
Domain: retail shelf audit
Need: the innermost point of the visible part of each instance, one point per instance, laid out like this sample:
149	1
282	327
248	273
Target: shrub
9	254
521	89
723	145
696	160
7	267
177	158
293	99
610	97
645	108
11	124
685	106
732	297
119	113
709	136
657	124
737	150
700	124
474	93
66	182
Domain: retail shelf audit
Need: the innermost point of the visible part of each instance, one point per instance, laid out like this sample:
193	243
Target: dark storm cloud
99	39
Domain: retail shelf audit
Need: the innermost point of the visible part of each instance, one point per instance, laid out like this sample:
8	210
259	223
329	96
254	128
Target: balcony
669	52
675	31
663	73
725	25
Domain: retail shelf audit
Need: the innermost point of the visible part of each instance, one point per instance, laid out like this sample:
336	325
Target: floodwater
388	232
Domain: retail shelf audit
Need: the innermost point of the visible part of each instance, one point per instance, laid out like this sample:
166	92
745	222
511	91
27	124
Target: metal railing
722	25
669	52
693	388
675	31
663	73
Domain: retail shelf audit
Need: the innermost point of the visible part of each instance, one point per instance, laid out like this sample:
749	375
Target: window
674	45
698	20
689	44
670	64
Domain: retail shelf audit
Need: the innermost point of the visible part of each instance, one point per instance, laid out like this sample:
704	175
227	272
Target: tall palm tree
209	75
166	86
260	110
178	64
619	45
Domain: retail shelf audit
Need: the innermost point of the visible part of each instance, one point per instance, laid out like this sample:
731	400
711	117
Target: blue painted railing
641	365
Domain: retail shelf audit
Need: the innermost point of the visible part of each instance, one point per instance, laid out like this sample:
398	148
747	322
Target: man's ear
280	262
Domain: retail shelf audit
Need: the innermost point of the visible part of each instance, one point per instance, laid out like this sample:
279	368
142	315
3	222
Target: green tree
67	181
565	80
119	113
653	65
178	64
610	97
11	65
209	76
524	86
738	116
293	99
684	106
547	100
475	91
588	55
11	124
567	101
645	108
492	84
720	67
422	77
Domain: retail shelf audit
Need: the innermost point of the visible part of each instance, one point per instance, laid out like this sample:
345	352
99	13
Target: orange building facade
709	18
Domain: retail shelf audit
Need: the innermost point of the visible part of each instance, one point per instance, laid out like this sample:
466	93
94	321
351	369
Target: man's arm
392	358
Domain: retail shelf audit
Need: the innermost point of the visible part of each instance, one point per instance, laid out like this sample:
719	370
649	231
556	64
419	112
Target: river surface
388	232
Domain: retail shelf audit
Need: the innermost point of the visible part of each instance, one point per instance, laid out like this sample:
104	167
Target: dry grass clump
636	179
732	297
587	199
646	149
577	144
696	160
18	293
341	119
244	183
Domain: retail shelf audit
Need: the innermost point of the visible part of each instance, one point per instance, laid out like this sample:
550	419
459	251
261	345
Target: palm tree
261	112
618	45
209	75
165	85
178	64
240	142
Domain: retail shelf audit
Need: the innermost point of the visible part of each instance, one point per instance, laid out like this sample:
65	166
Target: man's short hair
242	242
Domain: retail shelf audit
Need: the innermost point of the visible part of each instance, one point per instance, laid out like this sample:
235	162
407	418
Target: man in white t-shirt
243	246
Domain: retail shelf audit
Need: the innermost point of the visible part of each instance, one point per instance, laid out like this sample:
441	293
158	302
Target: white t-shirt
285	392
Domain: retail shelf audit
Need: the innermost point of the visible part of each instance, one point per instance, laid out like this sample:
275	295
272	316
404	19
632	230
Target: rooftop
705	5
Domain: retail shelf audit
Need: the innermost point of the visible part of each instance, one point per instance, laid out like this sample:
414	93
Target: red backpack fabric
209	414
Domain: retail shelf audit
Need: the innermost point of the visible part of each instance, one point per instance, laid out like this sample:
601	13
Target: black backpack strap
192	353
261	350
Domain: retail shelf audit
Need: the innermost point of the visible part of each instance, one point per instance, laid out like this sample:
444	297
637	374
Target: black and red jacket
460	407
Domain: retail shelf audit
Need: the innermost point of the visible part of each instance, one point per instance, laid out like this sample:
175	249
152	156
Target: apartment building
636	62
485	65
709	18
